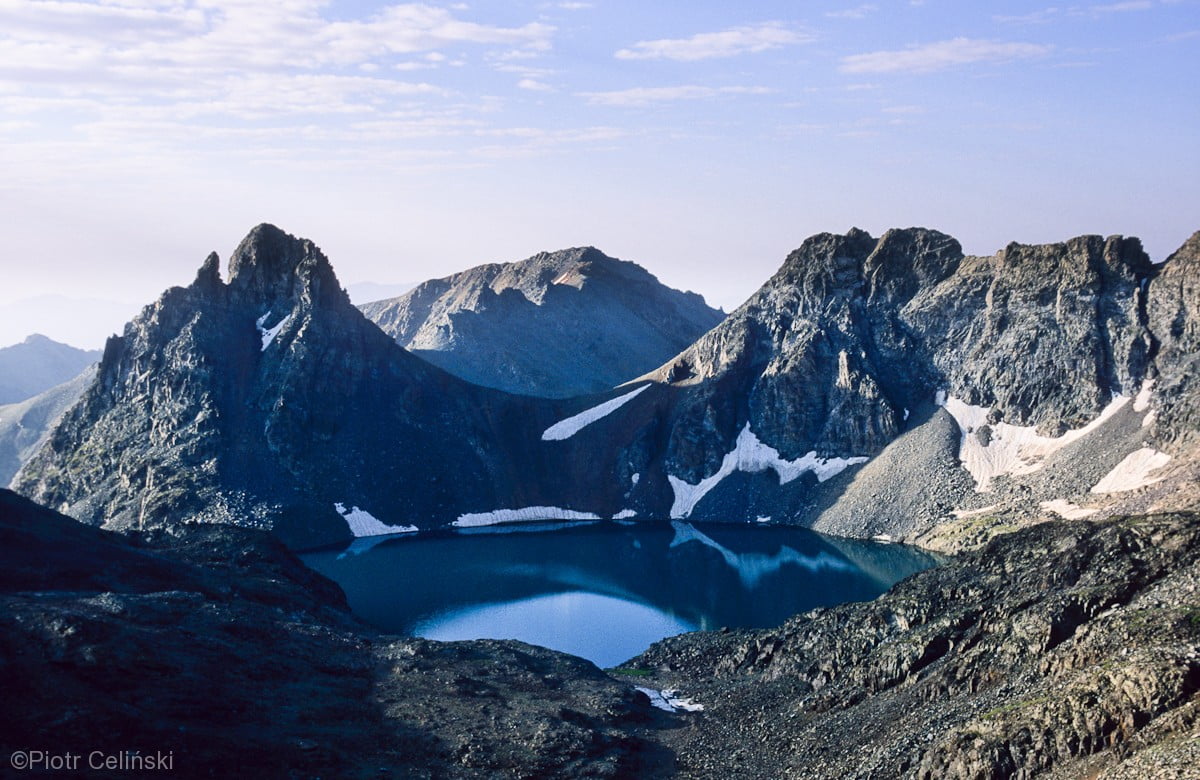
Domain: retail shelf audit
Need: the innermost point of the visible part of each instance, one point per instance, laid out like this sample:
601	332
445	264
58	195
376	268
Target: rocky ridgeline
559	324
845	395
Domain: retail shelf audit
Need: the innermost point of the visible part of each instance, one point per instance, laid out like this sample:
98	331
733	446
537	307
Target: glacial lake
606	590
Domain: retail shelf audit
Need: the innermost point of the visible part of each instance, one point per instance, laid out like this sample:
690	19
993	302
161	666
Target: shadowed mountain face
871	386
556	325
268	400
38	364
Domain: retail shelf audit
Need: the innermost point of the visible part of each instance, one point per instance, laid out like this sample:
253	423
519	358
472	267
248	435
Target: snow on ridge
624	514
752	456
1011	449
1142	402
523	515
362	523
565	429
668	699
1133	472
269	334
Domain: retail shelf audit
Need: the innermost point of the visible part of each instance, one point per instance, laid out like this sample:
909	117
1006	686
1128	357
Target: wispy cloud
534	85
641	96
941	55
726	43
857	12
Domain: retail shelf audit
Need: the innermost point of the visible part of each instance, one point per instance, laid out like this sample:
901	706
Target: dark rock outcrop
559	324
1064	646
38	364
215	646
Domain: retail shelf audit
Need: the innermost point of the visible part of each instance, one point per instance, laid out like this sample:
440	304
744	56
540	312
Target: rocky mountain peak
270	265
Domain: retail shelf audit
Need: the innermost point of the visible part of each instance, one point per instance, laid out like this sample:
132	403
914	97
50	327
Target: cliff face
556	325
872	386
1174	315
269	400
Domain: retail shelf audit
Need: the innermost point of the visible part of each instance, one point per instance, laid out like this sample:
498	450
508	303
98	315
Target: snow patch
269	334
634	479
752	456
1133	472
624	514
361	523
1142	402
565	429
668	699
1066	510
523	515
1011	449
764	519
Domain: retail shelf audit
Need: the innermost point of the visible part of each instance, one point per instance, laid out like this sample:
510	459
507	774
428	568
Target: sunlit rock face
556	325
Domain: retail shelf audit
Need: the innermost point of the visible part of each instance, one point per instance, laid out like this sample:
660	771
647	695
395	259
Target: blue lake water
605	591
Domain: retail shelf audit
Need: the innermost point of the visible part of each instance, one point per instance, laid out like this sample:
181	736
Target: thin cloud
727	43
941	55
857	12
642	96
534	85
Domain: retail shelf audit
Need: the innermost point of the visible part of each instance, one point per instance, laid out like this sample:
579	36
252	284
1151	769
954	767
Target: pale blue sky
704	140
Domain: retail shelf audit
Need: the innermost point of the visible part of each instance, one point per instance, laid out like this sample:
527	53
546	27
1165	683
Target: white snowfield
624	514
1012	449
523	515
362	523
669	699
565	429
269	334
1133	472
752	456
1066	510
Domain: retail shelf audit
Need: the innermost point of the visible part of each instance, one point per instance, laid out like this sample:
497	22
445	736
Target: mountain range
38	364
557	325
873	386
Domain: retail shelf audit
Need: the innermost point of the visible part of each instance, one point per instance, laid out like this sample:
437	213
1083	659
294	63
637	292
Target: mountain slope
556	325
38	364
271	401
26	425
872	386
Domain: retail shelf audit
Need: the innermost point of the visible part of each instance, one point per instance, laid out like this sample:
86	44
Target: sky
703	140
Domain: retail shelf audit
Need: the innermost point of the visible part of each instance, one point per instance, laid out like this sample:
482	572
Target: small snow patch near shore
362	523
522	515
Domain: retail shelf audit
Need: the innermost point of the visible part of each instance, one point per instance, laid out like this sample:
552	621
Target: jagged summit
270	265
556	324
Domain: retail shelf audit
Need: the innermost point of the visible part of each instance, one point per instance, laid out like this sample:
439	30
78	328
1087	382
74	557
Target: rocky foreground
1062	650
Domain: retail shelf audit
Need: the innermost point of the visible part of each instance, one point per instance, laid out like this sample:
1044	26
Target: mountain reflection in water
605	591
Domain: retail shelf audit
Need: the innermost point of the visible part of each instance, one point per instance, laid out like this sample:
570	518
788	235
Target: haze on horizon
702	140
